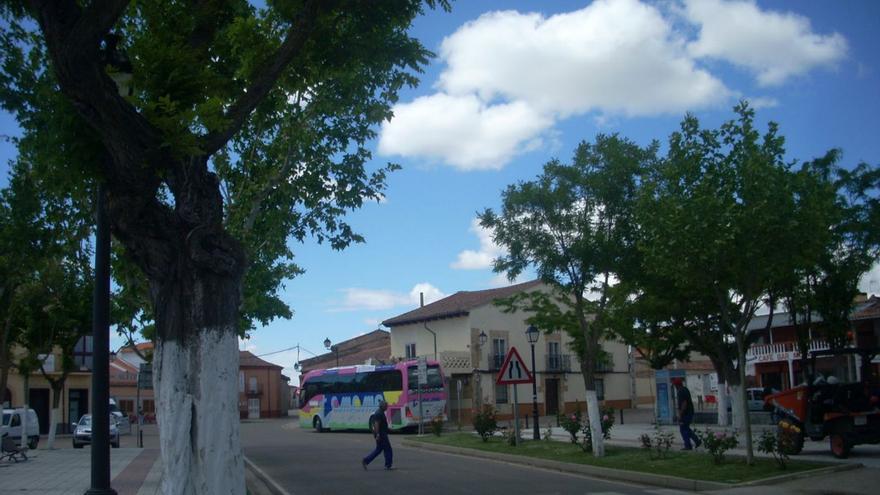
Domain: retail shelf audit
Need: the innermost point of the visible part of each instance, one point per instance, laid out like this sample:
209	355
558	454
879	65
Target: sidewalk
133	471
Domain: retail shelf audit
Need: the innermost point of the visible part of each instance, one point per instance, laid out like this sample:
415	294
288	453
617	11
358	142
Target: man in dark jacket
685	415
379	426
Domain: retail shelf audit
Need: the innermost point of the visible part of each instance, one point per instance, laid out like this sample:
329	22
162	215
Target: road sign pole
515	416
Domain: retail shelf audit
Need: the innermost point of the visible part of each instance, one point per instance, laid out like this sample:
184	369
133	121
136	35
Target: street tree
716	217
246	127
53	314
574	225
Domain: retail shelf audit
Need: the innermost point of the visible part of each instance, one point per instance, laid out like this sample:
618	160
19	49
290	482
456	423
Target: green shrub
607	421
436	425
775	446
572	424
717	443
659	444
485	422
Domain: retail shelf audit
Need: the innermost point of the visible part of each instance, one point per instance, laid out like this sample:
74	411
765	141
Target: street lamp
334	348
483	338
100	471
532	334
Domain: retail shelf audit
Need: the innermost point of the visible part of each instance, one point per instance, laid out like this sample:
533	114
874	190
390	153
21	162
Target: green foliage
717	443
291	157
436	425
775	446
572	424
485	423
574	225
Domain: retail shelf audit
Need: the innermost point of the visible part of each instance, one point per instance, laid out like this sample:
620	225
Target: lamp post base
101	491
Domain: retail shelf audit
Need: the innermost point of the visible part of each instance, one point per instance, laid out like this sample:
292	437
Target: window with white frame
411	350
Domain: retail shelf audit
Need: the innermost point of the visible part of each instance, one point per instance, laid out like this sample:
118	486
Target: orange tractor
847	412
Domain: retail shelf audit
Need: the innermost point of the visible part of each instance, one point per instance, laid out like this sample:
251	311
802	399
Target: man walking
685	415
379	426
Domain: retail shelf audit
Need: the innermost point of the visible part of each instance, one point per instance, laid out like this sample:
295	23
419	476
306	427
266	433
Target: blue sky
516	84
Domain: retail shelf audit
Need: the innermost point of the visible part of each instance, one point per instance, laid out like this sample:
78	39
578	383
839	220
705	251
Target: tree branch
96	20
238	112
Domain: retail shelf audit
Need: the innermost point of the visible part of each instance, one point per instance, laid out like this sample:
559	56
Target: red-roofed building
262	389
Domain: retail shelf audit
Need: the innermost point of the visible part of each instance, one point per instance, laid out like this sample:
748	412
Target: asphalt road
306	462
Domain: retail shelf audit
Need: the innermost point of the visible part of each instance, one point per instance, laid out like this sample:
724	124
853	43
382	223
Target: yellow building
74	397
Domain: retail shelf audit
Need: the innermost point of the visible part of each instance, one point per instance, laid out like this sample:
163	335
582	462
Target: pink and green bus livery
344	398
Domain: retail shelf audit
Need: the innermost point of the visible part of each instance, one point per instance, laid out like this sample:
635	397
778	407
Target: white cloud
462	131
759	102
870	282
482	259
510	76
358	299
774	45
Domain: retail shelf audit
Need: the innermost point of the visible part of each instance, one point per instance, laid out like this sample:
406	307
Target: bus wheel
318	426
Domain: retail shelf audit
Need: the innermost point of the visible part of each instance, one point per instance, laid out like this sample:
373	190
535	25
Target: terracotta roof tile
247	360
458	304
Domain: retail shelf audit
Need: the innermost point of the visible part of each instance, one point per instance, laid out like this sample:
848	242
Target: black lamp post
532	334
100	475
334	348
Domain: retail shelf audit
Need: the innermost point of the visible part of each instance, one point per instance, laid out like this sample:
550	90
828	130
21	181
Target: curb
623	475
258	482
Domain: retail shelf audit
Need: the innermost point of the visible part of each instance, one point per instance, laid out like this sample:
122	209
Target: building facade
262	393
450	331
74	396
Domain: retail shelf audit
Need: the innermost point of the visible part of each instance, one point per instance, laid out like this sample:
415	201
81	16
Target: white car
12	419
122	421
82	432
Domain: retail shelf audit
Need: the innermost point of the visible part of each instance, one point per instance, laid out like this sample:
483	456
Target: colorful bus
344	398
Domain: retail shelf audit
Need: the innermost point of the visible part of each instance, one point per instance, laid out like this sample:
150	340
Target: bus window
435	379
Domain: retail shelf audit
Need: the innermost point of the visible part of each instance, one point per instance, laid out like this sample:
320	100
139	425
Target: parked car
82	432
12	419
755	397
122	421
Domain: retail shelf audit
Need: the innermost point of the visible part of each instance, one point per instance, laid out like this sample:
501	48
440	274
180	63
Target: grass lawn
690	465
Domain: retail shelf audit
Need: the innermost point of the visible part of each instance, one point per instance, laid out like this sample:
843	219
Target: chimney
421	299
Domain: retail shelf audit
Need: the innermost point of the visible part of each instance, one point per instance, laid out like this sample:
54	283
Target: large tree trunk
588	368
54	414
196	384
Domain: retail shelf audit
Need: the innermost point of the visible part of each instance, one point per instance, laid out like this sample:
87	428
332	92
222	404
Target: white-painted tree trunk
53	422
737	407
723	399
196	385
595	419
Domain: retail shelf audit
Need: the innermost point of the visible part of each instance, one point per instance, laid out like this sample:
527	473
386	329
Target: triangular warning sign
513	370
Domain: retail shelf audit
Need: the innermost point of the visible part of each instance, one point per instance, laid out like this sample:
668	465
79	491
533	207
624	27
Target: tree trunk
196	385
723	400
744	404
588	367
54	414
595	419
25	399
4	358
196	300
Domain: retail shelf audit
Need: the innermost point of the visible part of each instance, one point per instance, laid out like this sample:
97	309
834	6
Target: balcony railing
781	351
558	363
254	389
495	361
